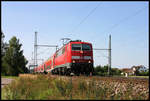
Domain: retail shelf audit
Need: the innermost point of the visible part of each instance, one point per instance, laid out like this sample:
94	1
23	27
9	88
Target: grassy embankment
45	87
140	76
10	77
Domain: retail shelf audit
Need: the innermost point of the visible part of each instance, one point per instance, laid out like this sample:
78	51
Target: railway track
133	80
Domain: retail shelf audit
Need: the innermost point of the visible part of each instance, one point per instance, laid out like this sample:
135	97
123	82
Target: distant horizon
126	22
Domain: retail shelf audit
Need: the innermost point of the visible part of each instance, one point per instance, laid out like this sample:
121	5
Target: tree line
103	71
13	61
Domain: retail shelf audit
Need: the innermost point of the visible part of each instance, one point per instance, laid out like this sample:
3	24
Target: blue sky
56	20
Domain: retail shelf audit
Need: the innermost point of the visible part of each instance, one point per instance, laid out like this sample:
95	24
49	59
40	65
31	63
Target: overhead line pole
109	54
35	49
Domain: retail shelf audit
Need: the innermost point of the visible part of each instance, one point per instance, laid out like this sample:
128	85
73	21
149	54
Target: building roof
128	70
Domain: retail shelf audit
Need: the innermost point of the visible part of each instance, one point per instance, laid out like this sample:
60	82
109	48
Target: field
140	76
10	77
50	87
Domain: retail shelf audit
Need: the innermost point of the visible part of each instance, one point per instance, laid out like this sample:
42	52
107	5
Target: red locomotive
75	57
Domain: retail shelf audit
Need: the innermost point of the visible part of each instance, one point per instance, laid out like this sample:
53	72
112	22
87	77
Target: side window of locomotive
56	54
63	50
59	53
86	47
76	46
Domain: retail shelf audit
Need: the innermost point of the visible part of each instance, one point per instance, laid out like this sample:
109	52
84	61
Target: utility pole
35	50
109	55
32	56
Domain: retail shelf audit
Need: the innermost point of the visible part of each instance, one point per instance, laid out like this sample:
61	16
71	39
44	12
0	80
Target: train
73	58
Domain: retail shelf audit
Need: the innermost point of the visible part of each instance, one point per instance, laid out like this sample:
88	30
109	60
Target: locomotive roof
73	42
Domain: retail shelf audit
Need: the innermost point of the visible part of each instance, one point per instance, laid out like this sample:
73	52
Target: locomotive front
81	57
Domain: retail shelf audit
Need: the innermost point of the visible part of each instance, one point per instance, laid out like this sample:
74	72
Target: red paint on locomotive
75	55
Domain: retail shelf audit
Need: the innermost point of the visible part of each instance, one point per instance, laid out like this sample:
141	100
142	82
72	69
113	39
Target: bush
115	71
143	73
103	71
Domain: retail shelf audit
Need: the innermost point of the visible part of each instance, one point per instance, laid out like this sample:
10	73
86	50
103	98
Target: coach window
48	66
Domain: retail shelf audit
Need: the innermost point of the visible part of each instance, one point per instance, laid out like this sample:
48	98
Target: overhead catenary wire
103	55
124	19
42	51
75	28
46	53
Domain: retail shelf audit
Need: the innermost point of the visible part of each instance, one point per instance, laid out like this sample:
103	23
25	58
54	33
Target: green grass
47	88
140	76
10	77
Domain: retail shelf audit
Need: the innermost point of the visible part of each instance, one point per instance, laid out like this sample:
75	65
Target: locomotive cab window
76	46
63	50
86	47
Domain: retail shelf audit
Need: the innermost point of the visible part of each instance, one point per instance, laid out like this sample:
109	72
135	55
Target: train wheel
45	72
72	74
52	72
68	71
60	71
78	74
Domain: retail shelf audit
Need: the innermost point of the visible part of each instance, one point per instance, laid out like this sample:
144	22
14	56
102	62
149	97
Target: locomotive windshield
84	47
76	46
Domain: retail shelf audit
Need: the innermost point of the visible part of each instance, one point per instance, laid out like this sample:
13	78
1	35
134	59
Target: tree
103	71
14	62
3	45
115	71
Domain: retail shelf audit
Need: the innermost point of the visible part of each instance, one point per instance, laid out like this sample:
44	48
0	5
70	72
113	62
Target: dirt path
5	81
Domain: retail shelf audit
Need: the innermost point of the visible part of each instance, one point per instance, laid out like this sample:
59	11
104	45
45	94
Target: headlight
89	62
75	57
73	61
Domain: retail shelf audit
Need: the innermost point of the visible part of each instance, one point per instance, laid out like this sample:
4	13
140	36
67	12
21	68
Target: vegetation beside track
47	87
140	76
10	77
